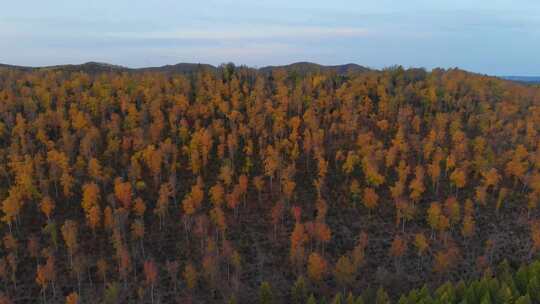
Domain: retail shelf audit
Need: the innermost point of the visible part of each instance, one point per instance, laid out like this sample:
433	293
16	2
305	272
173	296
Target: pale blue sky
500	37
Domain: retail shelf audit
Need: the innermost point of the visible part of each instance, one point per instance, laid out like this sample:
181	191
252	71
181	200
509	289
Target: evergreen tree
265	293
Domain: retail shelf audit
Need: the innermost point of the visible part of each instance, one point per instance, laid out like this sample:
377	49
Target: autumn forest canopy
236	185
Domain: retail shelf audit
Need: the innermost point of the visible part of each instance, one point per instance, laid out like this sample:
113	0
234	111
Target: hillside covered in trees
236	185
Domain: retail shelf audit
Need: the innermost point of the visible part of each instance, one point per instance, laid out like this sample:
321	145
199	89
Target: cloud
248	32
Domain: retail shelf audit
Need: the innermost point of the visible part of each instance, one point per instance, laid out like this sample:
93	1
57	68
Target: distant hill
16	67
179	68
183	68
310	67
88	67
524	79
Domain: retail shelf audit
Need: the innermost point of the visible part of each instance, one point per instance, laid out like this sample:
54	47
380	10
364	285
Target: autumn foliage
197	188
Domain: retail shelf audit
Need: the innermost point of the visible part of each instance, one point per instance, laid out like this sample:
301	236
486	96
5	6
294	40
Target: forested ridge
238	186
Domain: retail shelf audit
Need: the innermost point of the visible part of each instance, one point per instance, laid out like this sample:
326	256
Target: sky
497	37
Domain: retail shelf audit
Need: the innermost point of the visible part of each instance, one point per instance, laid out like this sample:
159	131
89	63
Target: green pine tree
350	298
311	300
299	291
486	299
523	300
505	294
338	299
232	300
533	289
265	293
382	297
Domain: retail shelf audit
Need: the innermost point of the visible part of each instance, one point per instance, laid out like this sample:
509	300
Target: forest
237	185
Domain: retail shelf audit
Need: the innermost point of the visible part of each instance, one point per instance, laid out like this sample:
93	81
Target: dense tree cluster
234	185
520	286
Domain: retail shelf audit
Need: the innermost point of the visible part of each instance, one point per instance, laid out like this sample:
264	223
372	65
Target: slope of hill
239	187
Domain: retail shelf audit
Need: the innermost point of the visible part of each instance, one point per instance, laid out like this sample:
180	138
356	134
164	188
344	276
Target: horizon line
256	67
